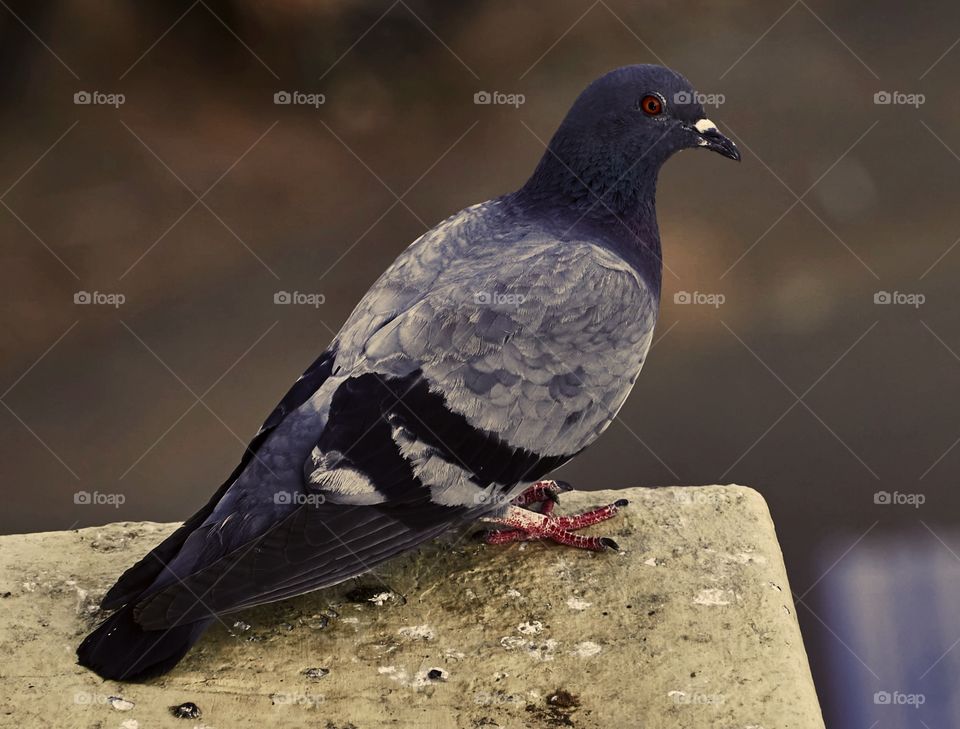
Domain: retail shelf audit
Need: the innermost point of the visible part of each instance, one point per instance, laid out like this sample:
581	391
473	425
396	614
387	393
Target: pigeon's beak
710	137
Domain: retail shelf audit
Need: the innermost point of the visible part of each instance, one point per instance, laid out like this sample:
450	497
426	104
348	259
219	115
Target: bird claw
528	524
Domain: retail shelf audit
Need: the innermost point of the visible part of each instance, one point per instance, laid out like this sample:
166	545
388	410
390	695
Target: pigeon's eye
651	105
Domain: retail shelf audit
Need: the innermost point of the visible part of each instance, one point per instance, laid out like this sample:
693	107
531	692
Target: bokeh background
197	199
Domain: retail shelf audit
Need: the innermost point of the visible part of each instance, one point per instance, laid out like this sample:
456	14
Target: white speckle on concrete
380	598
578	603
512	642
130	724
403	677
454	655
712	596
119	703
538	651
543	651
350	621
417	632
652	562
586	649
531	628
514	593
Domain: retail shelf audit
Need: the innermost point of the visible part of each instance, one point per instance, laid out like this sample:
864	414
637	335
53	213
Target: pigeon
496	347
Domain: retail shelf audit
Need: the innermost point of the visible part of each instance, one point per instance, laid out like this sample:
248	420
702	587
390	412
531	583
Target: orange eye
651	105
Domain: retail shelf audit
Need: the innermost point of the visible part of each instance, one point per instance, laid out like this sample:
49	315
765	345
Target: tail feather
121	650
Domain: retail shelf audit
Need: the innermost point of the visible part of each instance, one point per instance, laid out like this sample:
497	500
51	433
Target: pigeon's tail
121	650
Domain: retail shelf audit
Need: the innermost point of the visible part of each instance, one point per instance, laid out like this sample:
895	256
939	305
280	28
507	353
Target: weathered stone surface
691	625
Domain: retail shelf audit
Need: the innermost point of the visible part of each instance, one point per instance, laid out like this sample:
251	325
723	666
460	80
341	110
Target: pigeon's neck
611	199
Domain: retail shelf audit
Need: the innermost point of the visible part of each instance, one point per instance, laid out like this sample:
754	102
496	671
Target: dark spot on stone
560	706
316	673
604	613
7	594
629	606
186	710
651	613
435	674
693	674
563	699
364	593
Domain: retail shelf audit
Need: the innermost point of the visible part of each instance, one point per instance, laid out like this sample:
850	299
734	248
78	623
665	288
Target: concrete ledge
691	625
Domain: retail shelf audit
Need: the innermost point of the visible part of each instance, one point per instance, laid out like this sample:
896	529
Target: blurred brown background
798	384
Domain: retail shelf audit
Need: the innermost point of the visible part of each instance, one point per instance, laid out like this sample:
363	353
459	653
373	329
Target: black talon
552	495
621	503
608	542
563	485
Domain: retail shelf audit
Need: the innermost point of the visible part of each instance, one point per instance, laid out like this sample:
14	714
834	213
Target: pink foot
526	524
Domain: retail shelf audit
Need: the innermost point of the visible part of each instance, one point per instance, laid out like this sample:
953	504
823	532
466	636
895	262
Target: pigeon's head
645	111
622	128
